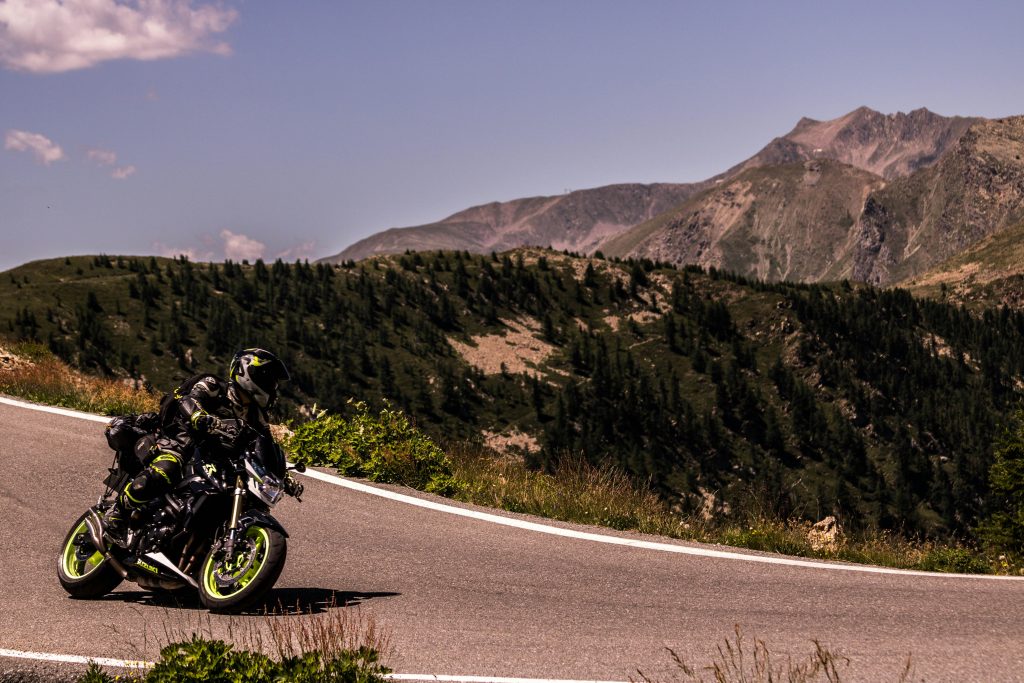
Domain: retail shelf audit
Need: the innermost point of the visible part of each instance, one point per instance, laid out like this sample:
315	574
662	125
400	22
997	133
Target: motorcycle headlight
264	485
270	490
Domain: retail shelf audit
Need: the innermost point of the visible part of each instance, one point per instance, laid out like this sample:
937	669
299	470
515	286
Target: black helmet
257	373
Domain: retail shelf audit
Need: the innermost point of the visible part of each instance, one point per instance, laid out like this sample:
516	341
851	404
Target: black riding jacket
205	395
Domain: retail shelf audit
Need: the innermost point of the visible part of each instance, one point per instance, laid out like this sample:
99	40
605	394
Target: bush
958	560
203	659
1004	529
209	660
382	447
95	674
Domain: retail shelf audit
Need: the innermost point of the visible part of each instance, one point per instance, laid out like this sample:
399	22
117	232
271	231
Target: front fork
236	513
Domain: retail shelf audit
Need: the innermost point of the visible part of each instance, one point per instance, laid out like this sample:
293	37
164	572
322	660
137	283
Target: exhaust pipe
95	526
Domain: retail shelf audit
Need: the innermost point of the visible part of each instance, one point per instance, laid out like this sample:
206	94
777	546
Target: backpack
125	432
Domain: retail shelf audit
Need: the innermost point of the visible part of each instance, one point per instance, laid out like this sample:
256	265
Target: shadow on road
290	601
279	602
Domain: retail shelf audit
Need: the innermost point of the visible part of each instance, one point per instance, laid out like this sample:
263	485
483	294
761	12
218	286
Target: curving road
464	596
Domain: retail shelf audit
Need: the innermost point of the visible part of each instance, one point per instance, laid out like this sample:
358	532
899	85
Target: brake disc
230	570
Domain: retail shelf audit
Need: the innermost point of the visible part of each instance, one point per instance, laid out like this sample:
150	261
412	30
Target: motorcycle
213	532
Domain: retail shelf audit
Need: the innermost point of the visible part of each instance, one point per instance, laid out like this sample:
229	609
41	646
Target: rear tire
82	573
233	584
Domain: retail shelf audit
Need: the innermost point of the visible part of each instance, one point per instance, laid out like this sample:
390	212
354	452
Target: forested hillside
801	399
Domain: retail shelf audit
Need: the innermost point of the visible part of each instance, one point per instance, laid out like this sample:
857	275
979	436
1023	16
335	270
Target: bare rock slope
850	223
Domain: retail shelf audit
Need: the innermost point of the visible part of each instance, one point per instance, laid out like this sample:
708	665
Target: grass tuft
738	661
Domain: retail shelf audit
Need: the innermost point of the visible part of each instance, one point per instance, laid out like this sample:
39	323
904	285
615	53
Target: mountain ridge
888	145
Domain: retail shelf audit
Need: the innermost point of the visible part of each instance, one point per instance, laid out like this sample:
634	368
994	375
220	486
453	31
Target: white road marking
57	411
131	664
630	542
572	533
75	659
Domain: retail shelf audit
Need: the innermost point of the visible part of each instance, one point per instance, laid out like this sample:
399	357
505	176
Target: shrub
953	559
95	674
201	659
383	447
1004	529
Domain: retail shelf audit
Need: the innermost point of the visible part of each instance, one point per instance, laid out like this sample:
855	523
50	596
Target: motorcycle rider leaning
193	410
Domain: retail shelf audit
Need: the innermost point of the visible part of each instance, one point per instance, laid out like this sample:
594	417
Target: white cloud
122	172
103	157
50	36
238	247
107	157
45	150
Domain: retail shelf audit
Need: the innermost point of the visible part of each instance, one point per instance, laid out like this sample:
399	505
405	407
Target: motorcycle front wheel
231	584
81	568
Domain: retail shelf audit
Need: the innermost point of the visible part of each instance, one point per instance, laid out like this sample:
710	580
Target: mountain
890	146
805	400
811	221
577	221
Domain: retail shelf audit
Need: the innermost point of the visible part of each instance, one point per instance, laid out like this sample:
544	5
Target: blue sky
296	128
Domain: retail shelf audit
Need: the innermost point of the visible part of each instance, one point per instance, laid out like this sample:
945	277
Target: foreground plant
341	645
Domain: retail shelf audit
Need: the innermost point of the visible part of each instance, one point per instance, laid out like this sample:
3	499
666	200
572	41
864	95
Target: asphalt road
468	597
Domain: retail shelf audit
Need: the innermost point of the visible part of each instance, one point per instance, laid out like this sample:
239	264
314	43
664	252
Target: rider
196	408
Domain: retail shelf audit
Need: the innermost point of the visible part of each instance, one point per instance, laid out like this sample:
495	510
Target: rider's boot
116	527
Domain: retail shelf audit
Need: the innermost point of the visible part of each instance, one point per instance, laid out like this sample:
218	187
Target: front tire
81	568
230	584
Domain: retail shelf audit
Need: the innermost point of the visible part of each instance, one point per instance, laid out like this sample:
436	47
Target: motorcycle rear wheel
81	573
231	584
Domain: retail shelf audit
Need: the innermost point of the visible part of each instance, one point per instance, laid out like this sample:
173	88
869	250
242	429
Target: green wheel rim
260	547
74	567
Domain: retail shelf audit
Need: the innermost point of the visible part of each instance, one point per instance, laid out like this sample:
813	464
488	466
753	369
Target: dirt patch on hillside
11	361
968	271
511	441
518	349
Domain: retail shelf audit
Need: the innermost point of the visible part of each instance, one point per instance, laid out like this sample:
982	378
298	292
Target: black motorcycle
213	532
